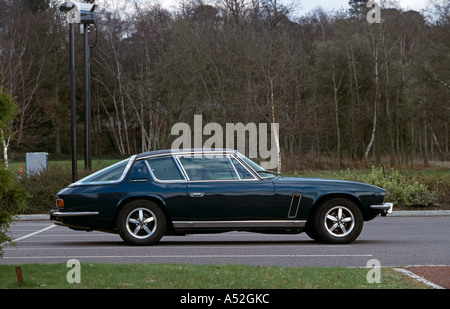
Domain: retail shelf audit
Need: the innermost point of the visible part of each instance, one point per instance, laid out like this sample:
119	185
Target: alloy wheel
339	221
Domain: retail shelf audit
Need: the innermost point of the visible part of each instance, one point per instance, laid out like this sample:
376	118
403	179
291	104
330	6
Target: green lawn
173	276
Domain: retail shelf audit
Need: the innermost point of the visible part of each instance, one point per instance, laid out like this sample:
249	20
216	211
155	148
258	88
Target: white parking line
34	233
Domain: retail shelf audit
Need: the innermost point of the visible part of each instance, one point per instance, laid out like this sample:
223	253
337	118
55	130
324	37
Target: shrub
13	200
400	189
44	186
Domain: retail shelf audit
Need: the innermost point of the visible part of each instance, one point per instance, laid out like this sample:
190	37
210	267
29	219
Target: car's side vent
295	203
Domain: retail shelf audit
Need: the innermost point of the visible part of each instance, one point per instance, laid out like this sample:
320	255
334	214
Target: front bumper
385	208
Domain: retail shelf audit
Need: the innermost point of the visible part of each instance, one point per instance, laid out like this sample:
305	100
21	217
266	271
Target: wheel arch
152	198
326	197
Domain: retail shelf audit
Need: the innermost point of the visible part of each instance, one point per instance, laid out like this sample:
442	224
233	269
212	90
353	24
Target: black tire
337	221
141	223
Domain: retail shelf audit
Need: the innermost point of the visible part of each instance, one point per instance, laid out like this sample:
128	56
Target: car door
219	188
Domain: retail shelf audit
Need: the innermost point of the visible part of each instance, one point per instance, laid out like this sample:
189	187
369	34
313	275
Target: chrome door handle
197	194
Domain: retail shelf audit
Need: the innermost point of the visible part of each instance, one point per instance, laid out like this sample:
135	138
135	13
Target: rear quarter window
111	173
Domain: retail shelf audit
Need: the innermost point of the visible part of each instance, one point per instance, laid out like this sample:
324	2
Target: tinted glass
139	170
242	171
215	167
110	173
165	168
261	171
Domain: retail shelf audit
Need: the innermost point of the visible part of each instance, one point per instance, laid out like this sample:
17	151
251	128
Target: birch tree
8	110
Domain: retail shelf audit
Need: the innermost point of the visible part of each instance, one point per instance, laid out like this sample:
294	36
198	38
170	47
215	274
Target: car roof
182	151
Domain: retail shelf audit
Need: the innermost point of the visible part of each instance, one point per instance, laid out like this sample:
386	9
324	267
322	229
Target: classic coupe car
169	192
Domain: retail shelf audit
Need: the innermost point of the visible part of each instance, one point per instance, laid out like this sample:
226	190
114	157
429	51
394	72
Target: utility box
36	162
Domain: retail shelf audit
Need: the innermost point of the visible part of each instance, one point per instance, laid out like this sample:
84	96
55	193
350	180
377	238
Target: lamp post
73	17
86	20
87	99
73	110
78	12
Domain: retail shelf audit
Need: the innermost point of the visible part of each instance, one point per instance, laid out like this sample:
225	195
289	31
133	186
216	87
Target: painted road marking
421	279
34	233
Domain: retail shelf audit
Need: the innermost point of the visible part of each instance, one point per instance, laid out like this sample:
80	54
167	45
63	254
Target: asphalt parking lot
393	241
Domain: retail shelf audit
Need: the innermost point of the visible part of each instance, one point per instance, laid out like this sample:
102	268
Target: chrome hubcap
141	223
339	221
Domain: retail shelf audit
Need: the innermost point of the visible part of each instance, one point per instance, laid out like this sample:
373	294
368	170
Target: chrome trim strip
229	152
197	194
184	173
122	177
244	165
180	165
386	207
237	155
240	224
181	169
176	152
177	157
75	213
234	167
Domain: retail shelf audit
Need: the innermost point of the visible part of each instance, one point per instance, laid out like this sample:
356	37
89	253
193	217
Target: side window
108	174
242	171
139	170
165	168
208	168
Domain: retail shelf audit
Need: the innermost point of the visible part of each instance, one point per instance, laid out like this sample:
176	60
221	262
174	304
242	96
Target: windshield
261	171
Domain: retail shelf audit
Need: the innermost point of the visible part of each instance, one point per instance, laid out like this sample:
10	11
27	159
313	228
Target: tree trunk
375	106
273	127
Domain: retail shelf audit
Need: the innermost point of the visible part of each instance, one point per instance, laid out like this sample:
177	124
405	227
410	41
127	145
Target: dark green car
183	192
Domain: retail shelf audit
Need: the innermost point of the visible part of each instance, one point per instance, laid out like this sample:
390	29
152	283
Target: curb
404	213
419	213
32	217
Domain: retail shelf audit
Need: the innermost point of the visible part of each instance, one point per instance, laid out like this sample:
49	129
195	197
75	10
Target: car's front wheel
141	222
338	221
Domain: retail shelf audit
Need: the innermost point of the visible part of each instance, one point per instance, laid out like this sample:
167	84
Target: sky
328	5
303	6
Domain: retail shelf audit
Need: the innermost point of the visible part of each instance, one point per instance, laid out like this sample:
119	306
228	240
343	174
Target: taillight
59	203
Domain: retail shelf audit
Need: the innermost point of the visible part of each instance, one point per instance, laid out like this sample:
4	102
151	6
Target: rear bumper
61	217
385	208
56	214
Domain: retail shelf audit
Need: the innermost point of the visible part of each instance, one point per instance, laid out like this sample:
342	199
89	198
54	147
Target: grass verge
177	276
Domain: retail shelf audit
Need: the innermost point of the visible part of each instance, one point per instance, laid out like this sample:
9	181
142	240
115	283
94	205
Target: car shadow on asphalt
208	243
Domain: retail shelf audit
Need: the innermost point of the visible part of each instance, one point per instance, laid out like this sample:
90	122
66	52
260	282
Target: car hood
293	181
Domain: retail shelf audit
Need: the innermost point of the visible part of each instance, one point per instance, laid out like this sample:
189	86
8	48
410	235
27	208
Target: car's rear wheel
338	221
141	222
